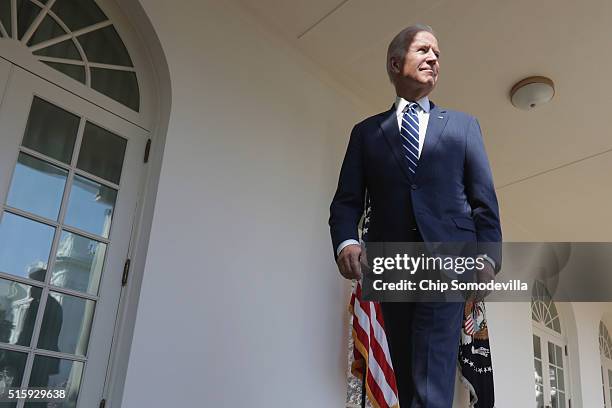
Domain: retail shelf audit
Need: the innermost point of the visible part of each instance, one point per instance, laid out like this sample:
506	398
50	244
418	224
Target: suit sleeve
347	205
481	196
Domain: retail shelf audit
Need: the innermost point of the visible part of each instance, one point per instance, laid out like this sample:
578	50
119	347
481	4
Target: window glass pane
561	400
77	14
539	388
50	372
560	379
66	324
559	352
37	187
18	309
610	377
537	351
121	86
78	263
74	71
26	13
24	246
12	366
551	353
552	373
51	130
47	30
105	46
90	207
556	325
5	15
65	49
102	153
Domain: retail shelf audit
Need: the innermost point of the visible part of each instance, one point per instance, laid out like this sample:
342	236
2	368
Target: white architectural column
588	316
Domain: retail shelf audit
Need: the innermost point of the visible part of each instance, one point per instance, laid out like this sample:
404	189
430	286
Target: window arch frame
147	117
541	299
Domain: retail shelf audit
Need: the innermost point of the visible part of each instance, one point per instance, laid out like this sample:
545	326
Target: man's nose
431	57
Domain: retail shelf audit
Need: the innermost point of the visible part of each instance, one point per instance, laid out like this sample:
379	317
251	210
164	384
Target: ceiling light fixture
532	92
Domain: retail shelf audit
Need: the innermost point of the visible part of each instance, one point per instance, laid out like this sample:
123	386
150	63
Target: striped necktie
410	136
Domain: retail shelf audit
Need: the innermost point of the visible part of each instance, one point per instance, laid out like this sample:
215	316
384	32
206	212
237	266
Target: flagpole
363	385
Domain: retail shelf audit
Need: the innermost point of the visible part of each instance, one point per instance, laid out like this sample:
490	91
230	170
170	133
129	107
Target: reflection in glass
51	372
66	324
90	207
121	86
37	187
102	153
24	246
18	309
12	366
78	263
539	389
51	130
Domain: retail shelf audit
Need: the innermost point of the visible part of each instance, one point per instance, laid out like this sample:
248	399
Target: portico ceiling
552	166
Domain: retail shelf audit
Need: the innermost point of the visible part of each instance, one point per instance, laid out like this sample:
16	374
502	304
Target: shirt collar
401	103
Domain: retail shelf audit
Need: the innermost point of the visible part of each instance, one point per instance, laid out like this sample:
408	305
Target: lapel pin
440	117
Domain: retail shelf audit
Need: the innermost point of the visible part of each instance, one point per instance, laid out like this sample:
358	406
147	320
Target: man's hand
484	275
348	262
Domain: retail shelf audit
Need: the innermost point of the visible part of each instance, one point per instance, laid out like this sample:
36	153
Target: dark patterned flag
475	356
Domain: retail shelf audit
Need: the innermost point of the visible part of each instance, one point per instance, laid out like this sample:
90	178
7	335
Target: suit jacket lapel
435	128
392	135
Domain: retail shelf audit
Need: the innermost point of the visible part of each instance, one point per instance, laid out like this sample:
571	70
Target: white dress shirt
400	107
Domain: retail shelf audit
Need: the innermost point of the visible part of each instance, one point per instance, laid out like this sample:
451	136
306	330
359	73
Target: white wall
241	304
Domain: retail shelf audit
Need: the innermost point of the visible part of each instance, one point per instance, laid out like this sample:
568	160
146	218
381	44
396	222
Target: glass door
606	379
70	174
550	363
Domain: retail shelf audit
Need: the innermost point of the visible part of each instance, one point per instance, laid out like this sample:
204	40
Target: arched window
76	38
543	309
605	348
550	351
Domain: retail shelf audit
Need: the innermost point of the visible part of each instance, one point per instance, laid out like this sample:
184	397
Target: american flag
370	344
371	348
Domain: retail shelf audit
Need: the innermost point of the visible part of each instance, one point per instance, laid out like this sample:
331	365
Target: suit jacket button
414	186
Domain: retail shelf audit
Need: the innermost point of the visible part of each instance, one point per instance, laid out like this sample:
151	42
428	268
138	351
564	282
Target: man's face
421	66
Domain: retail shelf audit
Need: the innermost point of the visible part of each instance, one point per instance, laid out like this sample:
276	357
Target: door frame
546	334
21	87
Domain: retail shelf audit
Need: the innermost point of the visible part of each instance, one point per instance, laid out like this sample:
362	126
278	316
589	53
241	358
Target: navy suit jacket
451	197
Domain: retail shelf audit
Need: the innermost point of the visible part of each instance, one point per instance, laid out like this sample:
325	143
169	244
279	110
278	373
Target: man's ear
395	65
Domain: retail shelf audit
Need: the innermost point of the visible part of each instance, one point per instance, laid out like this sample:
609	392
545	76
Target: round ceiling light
532	92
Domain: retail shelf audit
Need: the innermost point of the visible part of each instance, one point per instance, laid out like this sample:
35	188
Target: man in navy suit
428	180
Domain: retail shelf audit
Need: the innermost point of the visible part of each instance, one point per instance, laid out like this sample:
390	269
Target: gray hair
400	43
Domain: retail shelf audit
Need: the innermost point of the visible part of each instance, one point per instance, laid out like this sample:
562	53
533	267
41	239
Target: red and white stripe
371	348
468	325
